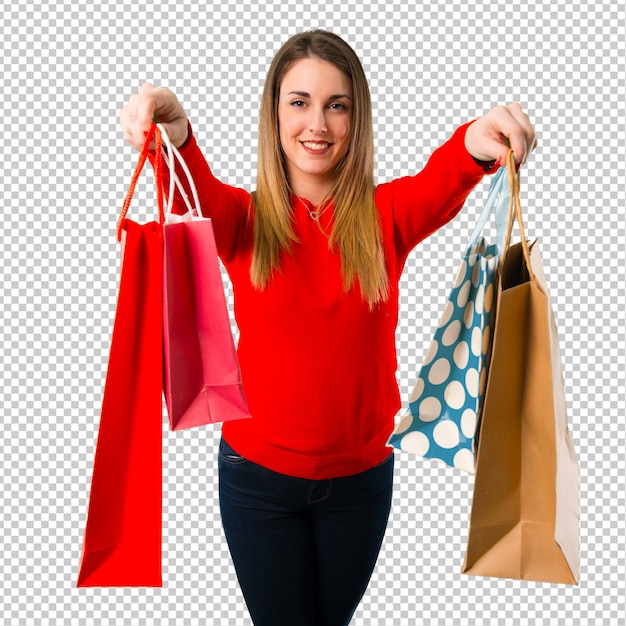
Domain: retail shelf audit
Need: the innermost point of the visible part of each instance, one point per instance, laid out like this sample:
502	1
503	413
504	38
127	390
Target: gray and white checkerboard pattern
67	69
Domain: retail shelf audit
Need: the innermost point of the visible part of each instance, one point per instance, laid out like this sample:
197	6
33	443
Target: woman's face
314	116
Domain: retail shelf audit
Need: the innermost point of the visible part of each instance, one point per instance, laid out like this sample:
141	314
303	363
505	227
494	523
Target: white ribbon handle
170	154
497	203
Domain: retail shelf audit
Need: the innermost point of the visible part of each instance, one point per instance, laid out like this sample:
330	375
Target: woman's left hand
491	136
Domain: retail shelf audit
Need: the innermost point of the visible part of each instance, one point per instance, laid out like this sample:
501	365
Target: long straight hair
356	230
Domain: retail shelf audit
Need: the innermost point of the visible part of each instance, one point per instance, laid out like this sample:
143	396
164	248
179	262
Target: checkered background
67	69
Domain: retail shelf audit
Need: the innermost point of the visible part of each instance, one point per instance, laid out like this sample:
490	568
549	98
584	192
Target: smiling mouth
316	146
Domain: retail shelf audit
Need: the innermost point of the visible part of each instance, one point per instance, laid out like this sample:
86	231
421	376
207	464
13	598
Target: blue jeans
304	550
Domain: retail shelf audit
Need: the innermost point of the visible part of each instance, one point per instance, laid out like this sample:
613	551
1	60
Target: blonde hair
356	230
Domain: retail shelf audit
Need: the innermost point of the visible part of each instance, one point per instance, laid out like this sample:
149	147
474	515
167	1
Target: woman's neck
313	191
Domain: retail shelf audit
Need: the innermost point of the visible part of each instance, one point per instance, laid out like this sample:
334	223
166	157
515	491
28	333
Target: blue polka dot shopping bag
444	406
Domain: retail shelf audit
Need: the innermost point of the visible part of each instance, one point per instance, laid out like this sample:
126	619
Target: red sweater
318	367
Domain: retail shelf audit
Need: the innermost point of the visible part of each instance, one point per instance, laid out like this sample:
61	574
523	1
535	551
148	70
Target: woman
315	256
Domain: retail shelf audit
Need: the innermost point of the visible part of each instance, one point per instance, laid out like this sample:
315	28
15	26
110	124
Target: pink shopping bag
202	380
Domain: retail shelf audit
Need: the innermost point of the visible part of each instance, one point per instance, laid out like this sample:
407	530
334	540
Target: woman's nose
318	122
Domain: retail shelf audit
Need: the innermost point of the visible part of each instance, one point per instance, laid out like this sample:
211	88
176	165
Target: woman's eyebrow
305	94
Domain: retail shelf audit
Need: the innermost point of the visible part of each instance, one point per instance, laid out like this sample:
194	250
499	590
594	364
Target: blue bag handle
498	202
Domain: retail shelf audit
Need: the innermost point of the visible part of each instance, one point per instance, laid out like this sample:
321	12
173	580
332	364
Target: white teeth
315	146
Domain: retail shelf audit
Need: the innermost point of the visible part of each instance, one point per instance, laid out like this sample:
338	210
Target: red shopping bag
122	541
202	380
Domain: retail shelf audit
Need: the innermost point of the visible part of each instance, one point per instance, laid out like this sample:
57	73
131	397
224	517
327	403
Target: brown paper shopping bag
524	521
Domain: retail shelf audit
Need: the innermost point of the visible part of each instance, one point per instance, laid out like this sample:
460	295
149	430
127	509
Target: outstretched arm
425	202
227	206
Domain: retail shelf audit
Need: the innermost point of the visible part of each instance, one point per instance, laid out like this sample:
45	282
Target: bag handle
515	213
158	172
497	202
172	154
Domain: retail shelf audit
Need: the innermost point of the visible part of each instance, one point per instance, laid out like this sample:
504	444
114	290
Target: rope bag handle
515	214
155	134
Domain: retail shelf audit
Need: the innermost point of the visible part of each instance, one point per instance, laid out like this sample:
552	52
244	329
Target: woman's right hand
153	104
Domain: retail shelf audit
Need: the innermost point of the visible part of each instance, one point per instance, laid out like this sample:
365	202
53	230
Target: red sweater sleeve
228	207
423	203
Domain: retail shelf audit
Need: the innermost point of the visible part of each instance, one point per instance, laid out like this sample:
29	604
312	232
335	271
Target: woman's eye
297	103
338	106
